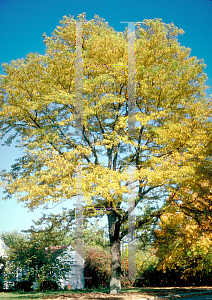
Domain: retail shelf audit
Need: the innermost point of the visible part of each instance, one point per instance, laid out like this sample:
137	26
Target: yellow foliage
181	242
37	102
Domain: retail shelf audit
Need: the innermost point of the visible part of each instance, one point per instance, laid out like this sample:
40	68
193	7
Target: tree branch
140	196
89	143
144	220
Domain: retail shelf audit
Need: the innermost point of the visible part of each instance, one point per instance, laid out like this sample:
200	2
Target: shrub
125	282
48	286
97	266
2	268
24	285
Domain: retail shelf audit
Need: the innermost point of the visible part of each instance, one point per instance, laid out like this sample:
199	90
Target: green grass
43	295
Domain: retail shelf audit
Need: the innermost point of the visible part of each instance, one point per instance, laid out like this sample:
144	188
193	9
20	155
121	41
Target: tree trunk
114	229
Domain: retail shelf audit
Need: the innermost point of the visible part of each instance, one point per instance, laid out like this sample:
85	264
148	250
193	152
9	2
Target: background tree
181	244
13	238
173	127
195	201
60	230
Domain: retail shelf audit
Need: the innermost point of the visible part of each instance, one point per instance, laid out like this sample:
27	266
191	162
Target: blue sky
23	22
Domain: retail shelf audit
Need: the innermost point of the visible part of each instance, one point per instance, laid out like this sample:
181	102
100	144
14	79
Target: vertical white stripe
131	224
78	131
78	81
131	133
131	78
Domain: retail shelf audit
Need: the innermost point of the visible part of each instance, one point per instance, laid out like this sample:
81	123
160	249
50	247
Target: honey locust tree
173	128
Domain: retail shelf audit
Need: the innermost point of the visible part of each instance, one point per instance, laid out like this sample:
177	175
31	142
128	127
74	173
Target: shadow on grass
47	294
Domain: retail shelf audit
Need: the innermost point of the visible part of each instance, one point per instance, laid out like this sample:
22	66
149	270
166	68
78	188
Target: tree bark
114	229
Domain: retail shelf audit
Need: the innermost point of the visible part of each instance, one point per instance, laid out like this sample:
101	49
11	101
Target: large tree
173	130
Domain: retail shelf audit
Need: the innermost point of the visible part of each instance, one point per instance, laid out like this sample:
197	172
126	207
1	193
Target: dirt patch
142	293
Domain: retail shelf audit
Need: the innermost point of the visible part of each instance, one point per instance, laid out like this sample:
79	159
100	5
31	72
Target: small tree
34	260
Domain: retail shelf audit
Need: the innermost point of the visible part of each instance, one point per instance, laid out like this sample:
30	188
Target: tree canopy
173	126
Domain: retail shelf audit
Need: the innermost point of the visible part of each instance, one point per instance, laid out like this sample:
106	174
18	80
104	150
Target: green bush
2	267
146	262
48	286
23	285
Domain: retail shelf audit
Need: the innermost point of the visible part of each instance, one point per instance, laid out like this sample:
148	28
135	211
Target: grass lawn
133	292
43	295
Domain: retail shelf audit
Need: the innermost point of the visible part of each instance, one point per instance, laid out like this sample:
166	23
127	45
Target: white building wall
3	248
75	278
